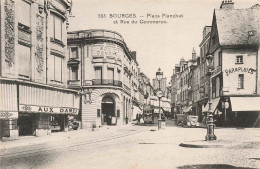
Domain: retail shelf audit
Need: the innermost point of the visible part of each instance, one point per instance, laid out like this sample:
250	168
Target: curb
201	146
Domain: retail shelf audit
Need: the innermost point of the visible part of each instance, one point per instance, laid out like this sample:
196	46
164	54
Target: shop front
243	111
43	110
8	111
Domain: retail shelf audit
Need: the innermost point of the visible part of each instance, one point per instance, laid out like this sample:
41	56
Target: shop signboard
45	109
8	115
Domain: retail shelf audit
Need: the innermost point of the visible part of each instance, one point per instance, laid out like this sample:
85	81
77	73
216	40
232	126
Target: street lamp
159	76
159	94
210	122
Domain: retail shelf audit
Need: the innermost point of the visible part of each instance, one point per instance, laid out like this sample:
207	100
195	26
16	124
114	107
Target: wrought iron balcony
73	82
107	82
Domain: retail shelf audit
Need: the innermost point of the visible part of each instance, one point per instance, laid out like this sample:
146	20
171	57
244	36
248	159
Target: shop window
217	86
56	24
74	52
24	54
55	68
239	59
240	81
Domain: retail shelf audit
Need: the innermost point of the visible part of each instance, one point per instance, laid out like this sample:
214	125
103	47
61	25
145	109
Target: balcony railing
73	82
107	82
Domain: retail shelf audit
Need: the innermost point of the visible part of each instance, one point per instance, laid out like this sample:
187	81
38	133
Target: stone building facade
106	72
33	70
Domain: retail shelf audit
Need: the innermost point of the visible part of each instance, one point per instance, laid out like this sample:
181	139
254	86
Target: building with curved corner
33	73
106	72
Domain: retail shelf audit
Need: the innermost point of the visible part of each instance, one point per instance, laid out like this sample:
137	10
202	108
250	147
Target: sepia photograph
129	84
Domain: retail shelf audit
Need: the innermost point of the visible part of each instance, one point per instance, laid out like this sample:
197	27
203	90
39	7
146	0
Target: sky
157	45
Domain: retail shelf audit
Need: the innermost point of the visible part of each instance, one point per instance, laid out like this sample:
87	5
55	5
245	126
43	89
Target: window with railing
74	73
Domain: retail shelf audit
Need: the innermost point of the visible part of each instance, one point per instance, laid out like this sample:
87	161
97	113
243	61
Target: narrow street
139	146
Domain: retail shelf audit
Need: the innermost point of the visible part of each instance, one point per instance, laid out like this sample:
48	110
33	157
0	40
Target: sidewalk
61	139
234	138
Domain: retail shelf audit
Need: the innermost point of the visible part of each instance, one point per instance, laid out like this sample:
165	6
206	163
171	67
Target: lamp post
210	122
159	94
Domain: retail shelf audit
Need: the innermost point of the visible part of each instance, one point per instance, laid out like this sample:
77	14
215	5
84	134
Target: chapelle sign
51	110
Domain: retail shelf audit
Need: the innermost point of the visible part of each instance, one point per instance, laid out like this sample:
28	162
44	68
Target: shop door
25	124
108	110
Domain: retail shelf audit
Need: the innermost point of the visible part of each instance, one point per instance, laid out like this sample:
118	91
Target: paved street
135	146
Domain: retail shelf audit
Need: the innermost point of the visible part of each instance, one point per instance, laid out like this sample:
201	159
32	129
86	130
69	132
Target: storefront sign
8	115
51	110
216	71
239	69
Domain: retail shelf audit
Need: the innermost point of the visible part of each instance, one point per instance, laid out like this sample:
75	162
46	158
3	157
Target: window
241	81
74	73
219	58
74	52
239	59
98	73
110	74
55	67
24	13
56	24
24	54
24	38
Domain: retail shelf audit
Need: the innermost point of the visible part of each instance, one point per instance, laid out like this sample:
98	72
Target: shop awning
136	110
187	109
245	103
213	105
156	110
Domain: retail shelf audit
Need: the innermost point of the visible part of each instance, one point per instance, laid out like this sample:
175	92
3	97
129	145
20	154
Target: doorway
108	110
25	123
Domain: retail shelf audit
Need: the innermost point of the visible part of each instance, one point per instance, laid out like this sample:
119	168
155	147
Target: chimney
193	54
227	4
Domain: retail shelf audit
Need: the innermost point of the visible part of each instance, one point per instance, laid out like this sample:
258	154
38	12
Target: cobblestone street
136	146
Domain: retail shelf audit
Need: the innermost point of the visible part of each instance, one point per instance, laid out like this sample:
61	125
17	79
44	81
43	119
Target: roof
234	26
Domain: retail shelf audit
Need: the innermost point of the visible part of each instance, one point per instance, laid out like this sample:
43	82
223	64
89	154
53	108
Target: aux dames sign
51	110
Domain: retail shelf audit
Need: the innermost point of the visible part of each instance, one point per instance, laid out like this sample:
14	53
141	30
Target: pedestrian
139	117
